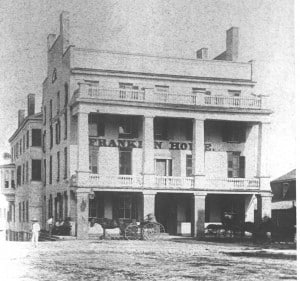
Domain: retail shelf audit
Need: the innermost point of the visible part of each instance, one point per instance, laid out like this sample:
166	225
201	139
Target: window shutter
242	167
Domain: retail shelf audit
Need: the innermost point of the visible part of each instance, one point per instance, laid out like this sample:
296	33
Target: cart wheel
152	231
132	232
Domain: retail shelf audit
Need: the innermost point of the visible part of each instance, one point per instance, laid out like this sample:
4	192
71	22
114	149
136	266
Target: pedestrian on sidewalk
35	232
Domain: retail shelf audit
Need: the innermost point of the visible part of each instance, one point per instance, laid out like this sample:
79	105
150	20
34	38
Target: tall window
125	162
6	179
27	212
57	132
45	171
24	143
44	142
57	103
36	170
93	159
96	125
23	174
66	94
58	166
19	175
13	185
17	150
20	146
66	162
27	139
50	170
66	125
127	207
51	136
236	165
189	165
36	137
45	115
20	212
51	110
27	172
23	210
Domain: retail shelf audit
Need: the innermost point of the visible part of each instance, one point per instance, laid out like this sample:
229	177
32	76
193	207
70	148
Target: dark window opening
96	125
236	165
93	160
36	170
235	133
161	129
36	137
125	162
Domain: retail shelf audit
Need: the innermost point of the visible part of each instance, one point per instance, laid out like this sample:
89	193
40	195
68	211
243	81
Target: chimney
202	54
50	40
232	44
64	30
21	116
30	104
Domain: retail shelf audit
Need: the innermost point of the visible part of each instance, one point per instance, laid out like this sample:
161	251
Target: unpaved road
177	259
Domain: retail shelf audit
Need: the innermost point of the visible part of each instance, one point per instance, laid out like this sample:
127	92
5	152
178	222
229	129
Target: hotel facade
124	135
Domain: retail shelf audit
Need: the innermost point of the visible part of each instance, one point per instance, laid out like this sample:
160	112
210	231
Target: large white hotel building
123	135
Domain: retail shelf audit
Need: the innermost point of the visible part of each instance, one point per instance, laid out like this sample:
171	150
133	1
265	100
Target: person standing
35	232
50	225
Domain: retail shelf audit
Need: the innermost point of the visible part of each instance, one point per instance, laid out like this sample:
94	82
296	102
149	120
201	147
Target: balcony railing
115	181
218	99
174	182
232	183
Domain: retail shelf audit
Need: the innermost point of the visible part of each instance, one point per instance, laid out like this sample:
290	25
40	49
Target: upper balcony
211	98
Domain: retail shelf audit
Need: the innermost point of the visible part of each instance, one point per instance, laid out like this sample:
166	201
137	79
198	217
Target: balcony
232	183
217	98
176	183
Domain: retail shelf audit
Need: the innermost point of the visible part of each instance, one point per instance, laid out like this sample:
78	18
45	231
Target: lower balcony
164	182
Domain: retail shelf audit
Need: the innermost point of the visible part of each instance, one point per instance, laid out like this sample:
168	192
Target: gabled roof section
36	117
287	177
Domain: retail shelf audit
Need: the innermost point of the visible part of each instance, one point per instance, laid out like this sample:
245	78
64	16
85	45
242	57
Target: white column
83	148
148	151
199	214
82	214
263	156
149	203
264	205
198	153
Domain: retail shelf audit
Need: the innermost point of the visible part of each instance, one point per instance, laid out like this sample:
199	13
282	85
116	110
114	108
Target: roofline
35	117
10	165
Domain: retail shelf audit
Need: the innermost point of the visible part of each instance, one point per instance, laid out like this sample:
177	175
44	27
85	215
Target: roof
287	177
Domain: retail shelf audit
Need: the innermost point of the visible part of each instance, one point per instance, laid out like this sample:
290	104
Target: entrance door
163	167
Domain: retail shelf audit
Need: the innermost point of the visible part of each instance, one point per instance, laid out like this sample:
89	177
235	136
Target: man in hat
35	232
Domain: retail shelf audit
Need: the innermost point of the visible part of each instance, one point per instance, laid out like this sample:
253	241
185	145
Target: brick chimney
30	104
202	54
50	40
65	30
232	44
21	116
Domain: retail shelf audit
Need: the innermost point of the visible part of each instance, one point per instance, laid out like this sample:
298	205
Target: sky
165	28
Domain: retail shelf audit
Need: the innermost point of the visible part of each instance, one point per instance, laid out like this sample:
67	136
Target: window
19	175
66	94
13	179
66	162
36	170
57	132
20	212
50	170
45	115
20	146
58	166
51	136
17	150
234	93
24	143
127	207
36	137
96	125
128	127
128	91
23	204
125	162
235	164
285	188
93	160
23	174
27	212
27	172
45	171
57	103
51	110
27	139
160	128
50	207
6	179
66	125
44	142
235	133
189	165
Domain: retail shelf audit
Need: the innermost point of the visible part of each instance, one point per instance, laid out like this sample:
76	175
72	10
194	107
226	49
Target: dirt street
172	259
